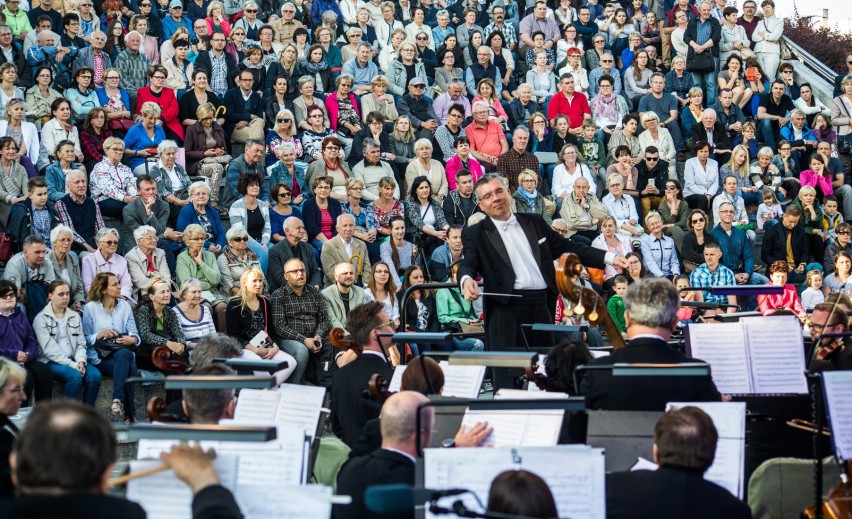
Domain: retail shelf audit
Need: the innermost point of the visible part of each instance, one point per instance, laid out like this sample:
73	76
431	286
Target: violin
822	352
157	407
588	303
838	501
338	338
378	388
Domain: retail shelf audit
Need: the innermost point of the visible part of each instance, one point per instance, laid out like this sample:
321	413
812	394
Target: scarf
232	258
314	68
248	64
606	108
529	197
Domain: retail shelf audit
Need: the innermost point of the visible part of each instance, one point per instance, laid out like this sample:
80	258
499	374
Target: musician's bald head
399	422
65	447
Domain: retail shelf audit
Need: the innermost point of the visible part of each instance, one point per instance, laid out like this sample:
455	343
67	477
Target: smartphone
652	182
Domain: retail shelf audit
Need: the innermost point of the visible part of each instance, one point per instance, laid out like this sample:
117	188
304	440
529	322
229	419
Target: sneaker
681	156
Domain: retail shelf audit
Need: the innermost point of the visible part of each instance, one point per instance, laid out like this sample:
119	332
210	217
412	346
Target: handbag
747	53
121	125
844	142
700	63
6	247
221	159
787	53
106	348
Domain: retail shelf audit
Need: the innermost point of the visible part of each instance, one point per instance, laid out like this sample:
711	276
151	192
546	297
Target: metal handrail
809	61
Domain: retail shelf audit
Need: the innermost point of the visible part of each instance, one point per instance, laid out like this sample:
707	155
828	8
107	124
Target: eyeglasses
295	271
530	181
347	85
560	231
652	159
670	187
616	185
161	78
698	220
112	77
784	148
283	120
418	86
239	239
422	39
110	242
786	71
844	233
315	115
284	194
606	61
331	147
383	325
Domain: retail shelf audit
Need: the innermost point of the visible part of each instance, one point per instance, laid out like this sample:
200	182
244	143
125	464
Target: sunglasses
110	242
283	120
698	220
670	188
284	195
251	10
844	233
239	239
652	159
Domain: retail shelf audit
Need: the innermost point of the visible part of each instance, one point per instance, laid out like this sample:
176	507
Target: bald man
343	295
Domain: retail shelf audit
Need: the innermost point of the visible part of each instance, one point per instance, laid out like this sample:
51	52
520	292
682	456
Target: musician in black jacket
651	307
64	457
684	448
349	409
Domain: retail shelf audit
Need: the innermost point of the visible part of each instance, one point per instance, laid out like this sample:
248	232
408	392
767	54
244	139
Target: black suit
350	410
486	254
215	502
382	467
720	140
774	246
237	110
838	360
603	391
19	59
669	493
283	251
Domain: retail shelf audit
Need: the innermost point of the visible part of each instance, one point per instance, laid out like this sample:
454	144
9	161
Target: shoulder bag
844	142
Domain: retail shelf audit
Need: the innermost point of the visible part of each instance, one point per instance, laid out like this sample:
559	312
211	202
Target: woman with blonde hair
289	67
216	21
378	100
24	133
250	319
658	136
402	142
202	158
167	49
738	166
692	112
283	131
527	198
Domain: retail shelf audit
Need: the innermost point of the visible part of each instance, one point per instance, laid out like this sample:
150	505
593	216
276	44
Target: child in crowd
592	150
684	315
615	305
813	295
831	217
770	211
747	139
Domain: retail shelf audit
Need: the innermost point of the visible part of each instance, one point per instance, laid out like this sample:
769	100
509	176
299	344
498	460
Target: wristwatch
449	443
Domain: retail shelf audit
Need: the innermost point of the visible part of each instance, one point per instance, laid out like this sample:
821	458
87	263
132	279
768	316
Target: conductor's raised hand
620	261
470	289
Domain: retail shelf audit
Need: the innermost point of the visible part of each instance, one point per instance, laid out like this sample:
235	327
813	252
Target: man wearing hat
176	19
361	68
418	107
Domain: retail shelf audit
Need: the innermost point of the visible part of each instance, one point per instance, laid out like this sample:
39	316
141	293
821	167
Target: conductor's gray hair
488	177
652	302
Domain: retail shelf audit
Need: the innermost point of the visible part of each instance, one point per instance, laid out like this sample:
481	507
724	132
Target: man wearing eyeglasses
221	66
17	19
12	52
828	319
606	68
287	24
29	265
749	20
244	116
176	19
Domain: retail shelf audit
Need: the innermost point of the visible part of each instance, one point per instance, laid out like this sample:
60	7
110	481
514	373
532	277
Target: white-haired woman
146	261
424	165
236	259
113	185
66	264
201	213
198	263
171	178
106	259
196	320
658	136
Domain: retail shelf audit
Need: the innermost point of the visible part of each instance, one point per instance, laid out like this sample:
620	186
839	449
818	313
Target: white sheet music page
777	354
300	406
280	460
728	466
838	397
723	347
284	502
396	381
164	496
462	381
516	428
256	406
574	473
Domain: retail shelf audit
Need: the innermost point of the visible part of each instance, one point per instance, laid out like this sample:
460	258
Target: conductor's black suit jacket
603	391
669	493
485	254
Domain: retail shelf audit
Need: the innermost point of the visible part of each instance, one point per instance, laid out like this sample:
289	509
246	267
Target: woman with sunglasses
235	260
674	211
425	54
694	240
107	259
284	130
236	44
282	195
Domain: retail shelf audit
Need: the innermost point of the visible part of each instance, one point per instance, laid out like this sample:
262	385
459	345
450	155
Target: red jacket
576	109
767	304
168	104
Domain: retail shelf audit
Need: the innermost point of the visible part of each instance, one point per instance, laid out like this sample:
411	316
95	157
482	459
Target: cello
378	385
157	408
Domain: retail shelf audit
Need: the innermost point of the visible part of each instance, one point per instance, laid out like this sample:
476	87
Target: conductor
514	253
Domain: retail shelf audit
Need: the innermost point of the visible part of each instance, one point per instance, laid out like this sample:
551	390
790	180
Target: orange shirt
486	140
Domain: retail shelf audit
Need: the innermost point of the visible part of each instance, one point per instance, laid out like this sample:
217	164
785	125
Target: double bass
378	385
157	407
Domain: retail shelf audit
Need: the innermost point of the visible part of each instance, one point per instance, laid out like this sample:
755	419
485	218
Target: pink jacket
811	178
454	165
333	108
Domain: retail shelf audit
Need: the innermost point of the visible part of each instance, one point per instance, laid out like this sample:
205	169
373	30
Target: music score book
291	404
164	496
574	473
838	400
459	381
728	466
753	356
539	428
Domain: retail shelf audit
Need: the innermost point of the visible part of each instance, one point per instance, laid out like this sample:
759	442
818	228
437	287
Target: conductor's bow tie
511	222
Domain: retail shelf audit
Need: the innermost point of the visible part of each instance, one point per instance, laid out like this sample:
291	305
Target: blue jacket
21	219
137	139
37	56
312	216
736	250
788	135
104	98
188	216
170	26
55	179
321	6
279	175
236	169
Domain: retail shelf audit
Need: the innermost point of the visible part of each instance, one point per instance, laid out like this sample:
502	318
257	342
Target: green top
452	309
208	274
615	306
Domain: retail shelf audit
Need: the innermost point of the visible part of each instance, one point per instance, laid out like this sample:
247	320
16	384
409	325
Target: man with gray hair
453	96
342	248
285	26
372	169
93	57
518	159
362	69
80	212
133	65
291	247
651	306
714	132
49	52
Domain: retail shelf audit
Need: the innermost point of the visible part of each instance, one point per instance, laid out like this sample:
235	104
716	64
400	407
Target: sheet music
723	347
396	381
777	355
728	465
516	428
577	480
520	394
838	398
291	405
462	381
164	496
